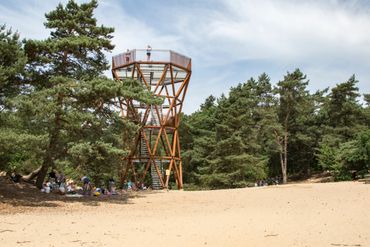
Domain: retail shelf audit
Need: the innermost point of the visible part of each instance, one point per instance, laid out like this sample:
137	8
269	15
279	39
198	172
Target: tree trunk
282	143
285	148
283	165
284	168
32	175
48	160
41	176
285	180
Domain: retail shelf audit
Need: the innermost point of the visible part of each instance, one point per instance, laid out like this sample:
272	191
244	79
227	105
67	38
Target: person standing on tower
148	52
127	56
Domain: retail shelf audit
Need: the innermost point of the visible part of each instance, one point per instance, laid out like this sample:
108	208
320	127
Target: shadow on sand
27	195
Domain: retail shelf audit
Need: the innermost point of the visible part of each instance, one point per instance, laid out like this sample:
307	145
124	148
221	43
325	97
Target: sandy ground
330	214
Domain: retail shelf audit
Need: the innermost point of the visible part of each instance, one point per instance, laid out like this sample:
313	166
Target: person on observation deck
127	56
148	52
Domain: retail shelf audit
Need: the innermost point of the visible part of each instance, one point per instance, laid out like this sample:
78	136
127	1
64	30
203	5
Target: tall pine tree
72	103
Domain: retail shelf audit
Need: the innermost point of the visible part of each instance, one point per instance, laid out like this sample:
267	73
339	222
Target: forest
58	110
261	130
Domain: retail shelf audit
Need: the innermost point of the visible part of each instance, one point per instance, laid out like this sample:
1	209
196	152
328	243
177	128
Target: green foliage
353	155
12	62
97	160
20	152
327	157
75	46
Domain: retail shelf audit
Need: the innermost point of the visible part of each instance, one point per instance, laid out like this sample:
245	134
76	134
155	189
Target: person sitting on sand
62	189
52	176
134	187
143	187
131	186
71	188
60	178
86	188
45	187
112	187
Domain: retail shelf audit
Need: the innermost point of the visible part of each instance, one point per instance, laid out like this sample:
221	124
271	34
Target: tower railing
140	55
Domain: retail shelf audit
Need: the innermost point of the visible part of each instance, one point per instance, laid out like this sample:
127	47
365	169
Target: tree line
259	130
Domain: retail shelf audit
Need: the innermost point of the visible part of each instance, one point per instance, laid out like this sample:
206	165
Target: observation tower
156	148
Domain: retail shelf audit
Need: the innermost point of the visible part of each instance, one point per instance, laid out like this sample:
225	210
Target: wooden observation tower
157	147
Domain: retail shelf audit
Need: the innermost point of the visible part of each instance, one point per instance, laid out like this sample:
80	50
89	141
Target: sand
325	214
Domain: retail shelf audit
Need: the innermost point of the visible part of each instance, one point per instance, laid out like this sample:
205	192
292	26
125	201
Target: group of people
268	181
130	186
89	189
56	182
128	55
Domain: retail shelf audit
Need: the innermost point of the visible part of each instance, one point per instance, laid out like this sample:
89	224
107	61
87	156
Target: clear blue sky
232	40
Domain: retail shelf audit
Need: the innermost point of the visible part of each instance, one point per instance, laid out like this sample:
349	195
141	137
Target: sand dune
330	214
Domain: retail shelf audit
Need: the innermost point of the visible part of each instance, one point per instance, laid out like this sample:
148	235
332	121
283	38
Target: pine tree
197	133
233	154
58	67
344	122
71	101
343	110
293	107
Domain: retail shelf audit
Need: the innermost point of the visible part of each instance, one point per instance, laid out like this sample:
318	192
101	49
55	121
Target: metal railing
142	55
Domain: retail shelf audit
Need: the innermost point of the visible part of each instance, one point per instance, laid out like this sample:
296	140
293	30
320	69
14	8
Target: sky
231	41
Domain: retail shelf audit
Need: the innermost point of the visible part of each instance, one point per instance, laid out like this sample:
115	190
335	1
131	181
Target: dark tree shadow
27	195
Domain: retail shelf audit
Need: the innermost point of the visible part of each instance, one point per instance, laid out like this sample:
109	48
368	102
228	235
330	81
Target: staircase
143	148
156	183
154	116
